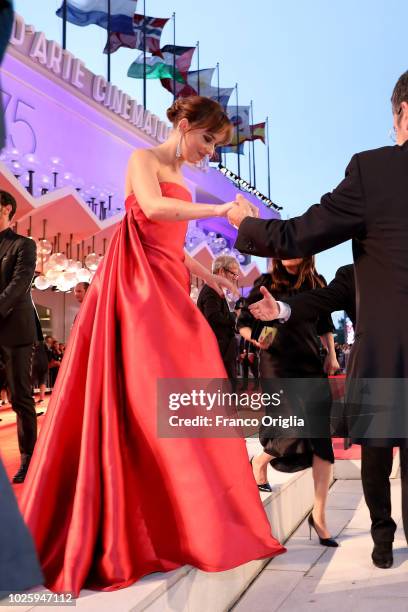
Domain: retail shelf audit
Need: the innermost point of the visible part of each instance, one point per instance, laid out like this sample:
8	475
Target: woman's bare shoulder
144	156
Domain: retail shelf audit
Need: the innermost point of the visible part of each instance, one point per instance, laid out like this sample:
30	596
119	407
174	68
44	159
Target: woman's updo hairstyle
202	114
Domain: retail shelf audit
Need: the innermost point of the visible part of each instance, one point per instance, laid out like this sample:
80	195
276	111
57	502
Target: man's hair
6	199
222	262
400	93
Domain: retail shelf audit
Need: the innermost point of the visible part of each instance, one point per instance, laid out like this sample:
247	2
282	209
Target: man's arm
339	217
338	295
21	278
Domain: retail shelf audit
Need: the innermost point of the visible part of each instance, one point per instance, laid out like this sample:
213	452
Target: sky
322	71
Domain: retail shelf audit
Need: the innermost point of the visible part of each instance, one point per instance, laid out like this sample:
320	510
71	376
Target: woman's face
196	144
292	265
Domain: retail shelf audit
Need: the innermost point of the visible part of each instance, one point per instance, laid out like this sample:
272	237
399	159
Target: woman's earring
178	148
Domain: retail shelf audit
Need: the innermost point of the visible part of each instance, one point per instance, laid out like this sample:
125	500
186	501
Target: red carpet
8	441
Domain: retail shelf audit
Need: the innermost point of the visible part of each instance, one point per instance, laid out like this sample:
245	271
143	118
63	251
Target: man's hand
266	309
243	208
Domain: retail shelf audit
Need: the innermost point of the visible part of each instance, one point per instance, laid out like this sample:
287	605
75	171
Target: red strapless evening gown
106	500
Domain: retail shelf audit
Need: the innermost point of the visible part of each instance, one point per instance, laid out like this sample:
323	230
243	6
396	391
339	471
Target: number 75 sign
19	116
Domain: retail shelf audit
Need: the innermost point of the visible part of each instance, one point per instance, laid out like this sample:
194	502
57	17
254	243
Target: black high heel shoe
266	487
323	541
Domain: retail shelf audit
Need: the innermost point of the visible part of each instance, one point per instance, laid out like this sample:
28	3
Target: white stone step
190	590
350	469
310	577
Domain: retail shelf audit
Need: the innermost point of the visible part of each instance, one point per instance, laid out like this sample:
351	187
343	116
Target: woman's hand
331	365
262	345
218	283
221	210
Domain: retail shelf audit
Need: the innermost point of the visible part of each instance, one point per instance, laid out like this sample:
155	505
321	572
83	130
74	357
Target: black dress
294	354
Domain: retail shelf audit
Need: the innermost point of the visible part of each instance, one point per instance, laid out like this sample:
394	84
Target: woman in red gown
106	499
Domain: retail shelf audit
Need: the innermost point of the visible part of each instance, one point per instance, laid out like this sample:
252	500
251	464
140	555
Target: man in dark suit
19	568
369	207
217	312
19	326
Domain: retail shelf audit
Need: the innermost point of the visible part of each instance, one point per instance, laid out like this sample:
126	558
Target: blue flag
88	12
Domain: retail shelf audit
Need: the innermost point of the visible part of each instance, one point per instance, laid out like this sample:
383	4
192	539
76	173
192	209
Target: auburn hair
202	114
307	273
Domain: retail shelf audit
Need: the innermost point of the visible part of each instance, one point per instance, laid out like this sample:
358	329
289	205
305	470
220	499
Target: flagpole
250	163
198	66
64	24
144	55
237	130
174	56
218	100
268	161
108	70
253	142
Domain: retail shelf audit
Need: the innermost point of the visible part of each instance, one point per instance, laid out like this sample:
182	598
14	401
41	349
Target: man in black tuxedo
19	326
217	312
340	295
19	568
369	207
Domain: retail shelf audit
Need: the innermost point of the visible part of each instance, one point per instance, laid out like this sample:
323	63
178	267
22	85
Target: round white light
58	261
52	275
44	247
42	283
83	275
73	265
92	261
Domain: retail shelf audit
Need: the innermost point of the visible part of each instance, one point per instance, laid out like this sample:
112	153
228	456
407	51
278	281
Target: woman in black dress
295	353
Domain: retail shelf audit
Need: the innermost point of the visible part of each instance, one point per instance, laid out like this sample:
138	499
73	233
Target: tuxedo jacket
370	206
19	323
216	311
340	294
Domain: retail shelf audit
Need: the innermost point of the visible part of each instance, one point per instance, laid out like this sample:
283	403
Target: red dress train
106	500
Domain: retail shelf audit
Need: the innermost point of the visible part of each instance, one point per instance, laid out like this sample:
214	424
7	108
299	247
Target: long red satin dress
106	500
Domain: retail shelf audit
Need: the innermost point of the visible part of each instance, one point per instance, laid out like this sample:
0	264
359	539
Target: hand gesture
222	210
217	283
266	309
243	208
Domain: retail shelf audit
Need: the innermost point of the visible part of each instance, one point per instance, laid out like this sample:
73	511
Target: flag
156	68
239	116
257	132
190	87
154	28
227	149
88	12
232	149
222	96
204	77
184	56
